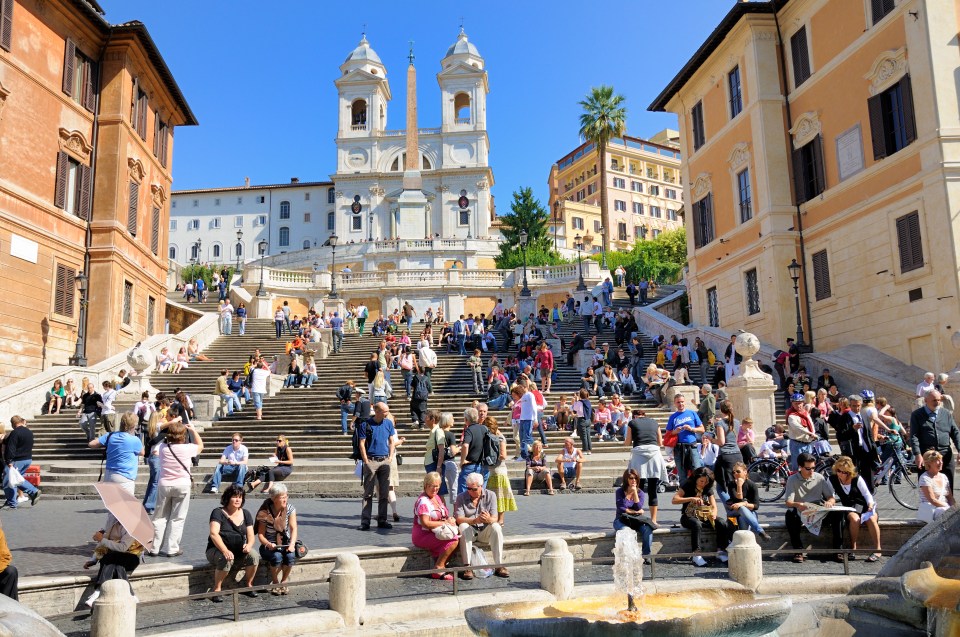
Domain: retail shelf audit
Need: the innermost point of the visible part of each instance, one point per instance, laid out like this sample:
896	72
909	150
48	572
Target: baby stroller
673	478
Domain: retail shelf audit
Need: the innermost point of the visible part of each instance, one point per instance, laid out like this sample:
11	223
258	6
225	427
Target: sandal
798	558
275	591
526	493
443	576
284	590
551	492
874	557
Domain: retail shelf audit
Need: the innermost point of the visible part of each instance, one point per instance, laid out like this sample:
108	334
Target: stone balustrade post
745	564
556	569
348	589
115	611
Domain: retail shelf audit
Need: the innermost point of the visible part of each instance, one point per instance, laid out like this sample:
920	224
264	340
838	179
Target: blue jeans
796	448
461	340
345	410
226	324
233	403
695	461
308	379
150	495
407	380
337	340
279	326
235	473
526	438
467	470
646	534
747	519
500	402
29	489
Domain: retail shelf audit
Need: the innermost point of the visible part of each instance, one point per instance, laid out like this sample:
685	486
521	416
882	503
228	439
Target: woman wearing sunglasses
283	457
852	491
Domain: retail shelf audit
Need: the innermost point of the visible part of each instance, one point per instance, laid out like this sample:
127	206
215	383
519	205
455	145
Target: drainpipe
803	250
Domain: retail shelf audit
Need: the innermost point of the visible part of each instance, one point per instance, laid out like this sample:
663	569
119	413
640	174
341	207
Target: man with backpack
472	449
345	396
420	386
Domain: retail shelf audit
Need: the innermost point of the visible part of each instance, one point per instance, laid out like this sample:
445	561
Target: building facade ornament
483	184
4	93
739	156
887	70
339	194
702	186
376	191
443	188
806	128
137	171
75	144
158	194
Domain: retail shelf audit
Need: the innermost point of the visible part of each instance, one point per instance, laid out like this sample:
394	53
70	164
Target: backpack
420	392
355	454
780	356
490	455
711	357
364	313
694	357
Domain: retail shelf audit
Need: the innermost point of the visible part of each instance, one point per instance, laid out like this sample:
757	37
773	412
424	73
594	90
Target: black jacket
933	432
18	445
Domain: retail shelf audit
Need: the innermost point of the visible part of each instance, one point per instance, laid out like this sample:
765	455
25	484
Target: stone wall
180	317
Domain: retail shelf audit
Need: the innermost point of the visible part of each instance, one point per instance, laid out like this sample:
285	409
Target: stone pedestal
690	392
260	306
412	214
115	611
348	589
745	560
526	305
554	345
752	392
582	360
556	569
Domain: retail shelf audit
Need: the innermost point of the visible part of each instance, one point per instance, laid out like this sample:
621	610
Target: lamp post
79	358
239	248
525	291
581	286
333	268
603	248
262	247
197	245
794	269
556	220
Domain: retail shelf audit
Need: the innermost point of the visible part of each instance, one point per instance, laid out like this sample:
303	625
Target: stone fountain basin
694	613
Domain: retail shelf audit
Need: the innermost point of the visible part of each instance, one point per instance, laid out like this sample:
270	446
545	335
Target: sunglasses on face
810	468
842	473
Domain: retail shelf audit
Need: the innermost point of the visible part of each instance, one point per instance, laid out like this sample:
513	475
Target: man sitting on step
233	464
476	513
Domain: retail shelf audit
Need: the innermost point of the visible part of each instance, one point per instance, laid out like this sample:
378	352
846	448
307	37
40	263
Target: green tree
661	258
526	214
604	117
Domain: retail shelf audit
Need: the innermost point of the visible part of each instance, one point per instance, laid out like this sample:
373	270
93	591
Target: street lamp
239	249
79	358
556	220
523	246
794	269
197	246
577	240
262	247
603	248
333	268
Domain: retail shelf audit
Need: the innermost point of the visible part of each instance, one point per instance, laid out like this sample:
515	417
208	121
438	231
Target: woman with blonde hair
538	469
430	513
499	480
852	491
936	496
381	391
283	457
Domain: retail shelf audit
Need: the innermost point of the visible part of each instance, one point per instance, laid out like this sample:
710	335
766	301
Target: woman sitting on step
283	459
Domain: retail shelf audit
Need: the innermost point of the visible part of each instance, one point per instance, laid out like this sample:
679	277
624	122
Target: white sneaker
214	490
23	498
93	597
722	556
699	561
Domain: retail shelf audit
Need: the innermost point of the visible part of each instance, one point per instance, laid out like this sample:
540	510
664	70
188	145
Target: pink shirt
171	471
744	436
602	415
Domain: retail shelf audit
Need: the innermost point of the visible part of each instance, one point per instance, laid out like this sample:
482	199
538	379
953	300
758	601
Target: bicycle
771	476
902	483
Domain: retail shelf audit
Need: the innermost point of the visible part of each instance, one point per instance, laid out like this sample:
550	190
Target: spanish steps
310	417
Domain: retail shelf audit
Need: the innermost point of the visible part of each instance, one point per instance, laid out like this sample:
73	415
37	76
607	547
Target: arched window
284	209
358	115
238	250
284	236
425	163
194	252
331	195
172	252
398	162
216	250
461	108
331	221
306	244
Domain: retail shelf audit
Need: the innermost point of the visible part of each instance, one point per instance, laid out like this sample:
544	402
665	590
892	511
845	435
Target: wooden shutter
799	187
91	85
155	231
6	24
84	208
708	218
821	275
909	242
801	57
63	296
69	63
164	138
877	134
697	212
816	151
135	103
909	121
60	192
142	116
156	134
132	210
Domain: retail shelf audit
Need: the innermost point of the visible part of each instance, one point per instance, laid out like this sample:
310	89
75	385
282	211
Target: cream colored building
853	172
644	195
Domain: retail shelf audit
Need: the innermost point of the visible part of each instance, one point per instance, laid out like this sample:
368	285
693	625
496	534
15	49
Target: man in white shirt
226	318
528	413
586	312
428	361
928	384
259	378
233	464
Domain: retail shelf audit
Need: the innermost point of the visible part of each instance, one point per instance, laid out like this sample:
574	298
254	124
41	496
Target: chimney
294	180
246	182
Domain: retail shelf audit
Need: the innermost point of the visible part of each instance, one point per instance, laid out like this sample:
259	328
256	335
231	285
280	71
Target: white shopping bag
479	560
13	479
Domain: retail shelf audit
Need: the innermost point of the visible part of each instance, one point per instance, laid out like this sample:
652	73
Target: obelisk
412	202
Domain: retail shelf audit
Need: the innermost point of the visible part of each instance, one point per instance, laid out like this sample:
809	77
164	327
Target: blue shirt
377	436
122	453
679	419
336	323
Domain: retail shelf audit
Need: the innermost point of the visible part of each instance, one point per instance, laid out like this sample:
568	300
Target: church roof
462	46
363	53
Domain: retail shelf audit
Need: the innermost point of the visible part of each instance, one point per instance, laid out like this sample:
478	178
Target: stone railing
419	245
283	279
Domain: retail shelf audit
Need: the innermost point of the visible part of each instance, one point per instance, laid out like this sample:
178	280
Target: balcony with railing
462	120
358	127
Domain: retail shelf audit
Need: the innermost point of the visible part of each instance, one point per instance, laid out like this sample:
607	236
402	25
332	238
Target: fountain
714	612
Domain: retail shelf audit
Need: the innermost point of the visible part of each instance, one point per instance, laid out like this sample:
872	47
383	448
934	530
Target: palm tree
604	117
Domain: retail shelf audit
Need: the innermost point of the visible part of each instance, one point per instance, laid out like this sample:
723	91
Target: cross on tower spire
410	56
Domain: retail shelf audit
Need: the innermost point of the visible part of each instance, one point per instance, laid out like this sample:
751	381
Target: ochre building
825	131
87	113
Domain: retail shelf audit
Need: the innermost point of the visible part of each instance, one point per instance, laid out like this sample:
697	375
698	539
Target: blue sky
259	75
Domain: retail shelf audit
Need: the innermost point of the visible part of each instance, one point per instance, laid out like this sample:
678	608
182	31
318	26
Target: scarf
278	521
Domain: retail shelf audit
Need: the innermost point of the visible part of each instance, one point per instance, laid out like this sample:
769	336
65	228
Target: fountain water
628	569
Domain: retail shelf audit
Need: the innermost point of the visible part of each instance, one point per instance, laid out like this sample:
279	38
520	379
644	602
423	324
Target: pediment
360	76
393	195
460	68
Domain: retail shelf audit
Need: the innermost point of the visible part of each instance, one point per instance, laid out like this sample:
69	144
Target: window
801	57
821	275
196	203
577	223
591	188
216	250
753	291
284	209
637	208
127	303
703	222
880	8
160	135
744	196
193	224
79	76
653	191
173	225
238	221
155	230
581	195
696	118
669	193
306	217
636	186
655	212
892	125
808	170
464	219
640	232
331	221
306	244
151	312
172	253
138	110
261	199
596	225
656	232
215	223
72	192
909	243
216	202
619	182
736	94
331	195
284	236
622	231
6	24
239	200
63	294
261	220
713	312
620	206
306	196
356	222
173	203
194	252
671	214
134	204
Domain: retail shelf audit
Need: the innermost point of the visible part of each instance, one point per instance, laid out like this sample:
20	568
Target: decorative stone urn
752	390
142	360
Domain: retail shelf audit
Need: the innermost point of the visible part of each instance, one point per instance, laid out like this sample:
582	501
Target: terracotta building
87	113
823	131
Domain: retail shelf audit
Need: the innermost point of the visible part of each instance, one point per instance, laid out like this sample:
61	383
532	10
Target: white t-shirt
258	383
528	407
939	486
586	308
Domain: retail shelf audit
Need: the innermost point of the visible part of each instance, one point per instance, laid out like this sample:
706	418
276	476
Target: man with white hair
476	512
933	427
471	450
927	385
942	380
